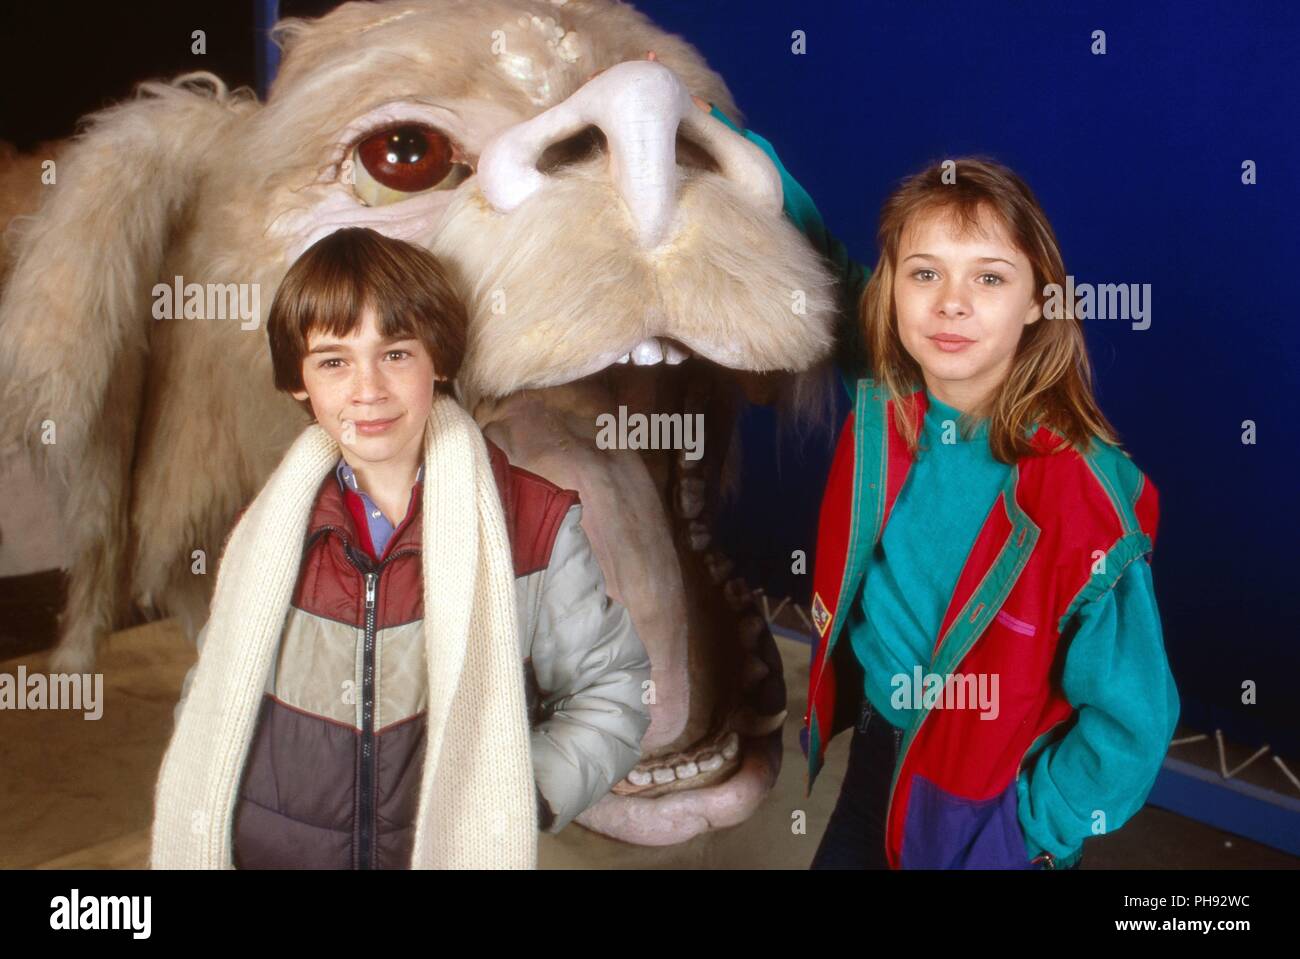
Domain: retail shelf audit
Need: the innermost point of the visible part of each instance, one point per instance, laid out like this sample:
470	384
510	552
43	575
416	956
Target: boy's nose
638	105
368	384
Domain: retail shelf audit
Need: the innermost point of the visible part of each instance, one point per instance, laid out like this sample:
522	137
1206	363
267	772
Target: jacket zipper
365	804
366	779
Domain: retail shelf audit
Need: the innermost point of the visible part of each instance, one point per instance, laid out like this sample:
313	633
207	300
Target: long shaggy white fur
164	429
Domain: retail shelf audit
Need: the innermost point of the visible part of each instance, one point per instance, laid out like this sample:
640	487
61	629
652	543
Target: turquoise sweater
938	514
1097	776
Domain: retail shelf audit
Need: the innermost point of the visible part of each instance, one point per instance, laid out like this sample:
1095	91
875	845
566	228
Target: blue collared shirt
380	529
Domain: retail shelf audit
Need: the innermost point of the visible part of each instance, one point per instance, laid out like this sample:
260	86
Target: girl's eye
917	274
402	352
994	278
325	364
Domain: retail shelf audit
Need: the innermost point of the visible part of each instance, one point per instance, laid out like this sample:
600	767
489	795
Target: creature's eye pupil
406	145
409	158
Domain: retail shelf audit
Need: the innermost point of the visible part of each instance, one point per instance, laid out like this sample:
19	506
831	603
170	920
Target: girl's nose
952	303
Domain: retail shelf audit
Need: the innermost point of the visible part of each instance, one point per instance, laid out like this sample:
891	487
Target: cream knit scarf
477	805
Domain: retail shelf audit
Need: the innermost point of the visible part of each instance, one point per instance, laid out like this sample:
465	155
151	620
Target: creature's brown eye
398	161
408	158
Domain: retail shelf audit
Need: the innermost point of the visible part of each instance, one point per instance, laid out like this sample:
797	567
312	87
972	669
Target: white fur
166	428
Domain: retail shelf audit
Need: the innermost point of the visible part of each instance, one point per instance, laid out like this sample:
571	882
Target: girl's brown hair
337	277
1050	381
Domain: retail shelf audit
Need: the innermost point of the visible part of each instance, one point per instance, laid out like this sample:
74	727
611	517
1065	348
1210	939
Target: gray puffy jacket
331	778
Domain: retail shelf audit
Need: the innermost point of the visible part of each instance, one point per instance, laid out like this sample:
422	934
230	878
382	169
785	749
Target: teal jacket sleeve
851	354
1117	676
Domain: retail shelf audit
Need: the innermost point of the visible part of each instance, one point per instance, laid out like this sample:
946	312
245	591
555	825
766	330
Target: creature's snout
638	106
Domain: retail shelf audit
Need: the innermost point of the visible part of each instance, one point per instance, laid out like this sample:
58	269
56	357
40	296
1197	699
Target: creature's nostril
694	156
590	142
638	107
582	146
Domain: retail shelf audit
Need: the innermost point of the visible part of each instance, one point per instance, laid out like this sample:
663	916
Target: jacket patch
821	616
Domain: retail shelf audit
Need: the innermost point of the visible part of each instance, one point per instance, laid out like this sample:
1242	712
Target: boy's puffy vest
332	775
1061	534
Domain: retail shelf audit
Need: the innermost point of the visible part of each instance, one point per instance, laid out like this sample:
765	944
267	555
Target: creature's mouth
712	751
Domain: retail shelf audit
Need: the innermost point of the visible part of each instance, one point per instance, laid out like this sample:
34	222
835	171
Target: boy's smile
375	427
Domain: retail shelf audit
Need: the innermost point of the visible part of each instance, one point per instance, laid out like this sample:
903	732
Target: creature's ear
76	304
75	317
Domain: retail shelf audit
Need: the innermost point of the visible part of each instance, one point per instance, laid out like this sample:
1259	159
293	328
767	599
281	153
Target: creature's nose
638	106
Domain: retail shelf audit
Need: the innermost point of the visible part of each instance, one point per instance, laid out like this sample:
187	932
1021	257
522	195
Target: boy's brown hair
338	276
1050	380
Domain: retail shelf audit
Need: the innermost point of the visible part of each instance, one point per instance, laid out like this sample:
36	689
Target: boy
408	616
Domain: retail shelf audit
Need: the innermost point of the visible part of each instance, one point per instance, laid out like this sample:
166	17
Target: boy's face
371	395
963	302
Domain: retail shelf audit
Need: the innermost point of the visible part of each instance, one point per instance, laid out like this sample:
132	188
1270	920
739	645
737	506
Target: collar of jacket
331	508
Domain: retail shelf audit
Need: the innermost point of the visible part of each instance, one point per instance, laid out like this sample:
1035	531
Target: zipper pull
370	590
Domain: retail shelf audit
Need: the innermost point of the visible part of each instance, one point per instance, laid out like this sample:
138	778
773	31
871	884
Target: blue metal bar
795	635
1238	807
265	13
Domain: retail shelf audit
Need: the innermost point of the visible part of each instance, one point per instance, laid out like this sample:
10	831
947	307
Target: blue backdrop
1137	157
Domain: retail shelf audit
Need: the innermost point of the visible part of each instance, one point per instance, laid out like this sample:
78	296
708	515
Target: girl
982	593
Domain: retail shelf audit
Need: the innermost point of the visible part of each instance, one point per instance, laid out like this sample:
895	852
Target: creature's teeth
730	746
709	762
720	567
640	777
690	497
699	536
647	353
661	775
686	770
736	593
674	354
750	628
626	357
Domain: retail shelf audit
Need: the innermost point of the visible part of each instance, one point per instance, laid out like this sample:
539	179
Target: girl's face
962	303
370	394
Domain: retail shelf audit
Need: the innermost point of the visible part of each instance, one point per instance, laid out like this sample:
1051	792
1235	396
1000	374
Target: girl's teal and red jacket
1061	534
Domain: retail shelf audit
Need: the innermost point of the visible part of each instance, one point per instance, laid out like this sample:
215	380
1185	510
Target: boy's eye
326	364
993	279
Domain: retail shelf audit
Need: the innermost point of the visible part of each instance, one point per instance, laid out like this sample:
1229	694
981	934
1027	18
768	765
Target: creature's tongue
553	433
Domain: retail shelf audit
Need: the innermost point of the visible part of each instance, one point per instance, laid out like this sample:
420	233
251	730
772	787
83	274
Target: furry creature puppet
617	247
